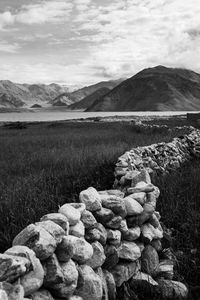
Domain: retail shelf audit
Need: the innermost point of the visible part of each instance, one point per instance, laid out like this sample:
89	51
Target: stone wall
87	250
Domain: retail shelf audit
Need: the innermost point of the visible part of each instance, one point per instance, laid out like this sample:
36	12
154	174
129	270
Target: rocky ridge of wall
87	250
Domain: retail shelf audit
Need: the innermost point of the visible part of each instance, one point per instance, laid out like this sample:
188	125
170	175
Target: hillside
14	95
80	94
90	99
154	89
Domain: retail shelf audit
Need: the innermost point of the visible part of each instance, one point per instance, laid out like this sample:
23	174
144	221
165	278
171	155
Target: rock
98	233
77	230
91	199
100	273
151	199
59	219
116	193
88	219
141	187
153	220
112	257
143	278
114	223
132	207
149	261
53	229
9	291
53	271
75	298
113	237
139	197
41	295
33	280
67	288
104	215
79	206
98	257
129	251
38	239
12	267
82	250
114	203
149	232
166	269
65	249
123	271
89	284
72	214
123	228
132	234
110	285
172	290
157	245
143	176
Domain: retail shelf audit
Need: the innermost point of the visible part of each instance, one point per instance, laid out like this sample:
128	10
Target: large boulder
32	280
77	230
59	219
129	251
104	215
98	233
114	203
88	219
82	251
133	208
112	257
72	214
9	291
172	290
80	206
123	271
52	228
149	261
12	267
53	271
98	256
132	234
91	199
38	239
67	288
65	250
89	284
113	237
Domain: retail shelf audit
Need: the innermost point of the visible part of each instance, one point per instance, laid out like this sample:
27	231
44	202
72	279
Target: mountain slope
80	94
90	99
25	95
154	89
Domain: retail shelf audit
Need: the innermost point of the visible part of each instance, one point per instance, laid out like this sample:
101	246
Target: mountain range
153	89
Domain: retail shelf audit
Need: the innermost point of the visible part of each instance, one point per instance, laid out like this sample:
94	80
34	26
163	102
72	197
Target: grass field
47	165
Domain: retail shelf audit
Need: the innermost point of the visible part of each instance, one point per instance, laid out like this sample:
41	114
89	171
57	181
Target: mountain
14	95
78	95
154	89
90	99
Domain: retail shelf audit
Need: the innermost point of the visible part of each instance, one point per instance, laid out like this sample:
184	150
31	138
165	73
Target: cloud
40	13
9	48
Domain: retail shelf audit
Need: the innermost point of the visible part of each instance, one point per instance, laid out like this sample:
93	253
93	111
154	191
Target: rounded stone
72	214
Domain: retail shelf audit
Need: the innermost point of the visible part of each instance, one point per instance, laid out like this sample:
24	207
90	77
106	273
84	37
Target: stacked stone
157	159
90	248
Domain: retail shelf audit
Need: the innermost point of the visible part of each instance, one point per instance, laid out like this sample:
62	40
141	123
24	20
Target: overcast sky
85	41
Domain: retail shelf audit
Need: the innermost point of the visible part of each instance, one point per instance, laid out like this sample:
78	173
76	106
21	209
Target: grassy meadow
45	165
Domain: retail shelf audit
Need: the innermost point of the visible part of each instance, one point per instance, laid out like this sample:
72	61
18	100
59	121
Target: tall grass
46	165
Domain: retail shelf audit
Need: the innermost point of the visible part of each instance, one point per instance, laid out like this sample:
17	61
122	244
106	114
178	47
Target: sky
81	42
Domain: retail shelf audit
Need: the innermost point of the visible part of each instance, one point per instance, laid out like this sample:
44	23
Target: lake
63	114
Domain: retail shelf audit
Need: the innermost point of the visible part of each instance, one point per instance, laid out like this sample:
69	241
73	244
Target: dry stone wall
87	250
